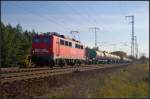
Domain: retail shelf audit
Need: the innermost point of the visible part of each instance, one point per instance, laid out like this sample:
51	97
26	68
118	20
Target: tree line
15	44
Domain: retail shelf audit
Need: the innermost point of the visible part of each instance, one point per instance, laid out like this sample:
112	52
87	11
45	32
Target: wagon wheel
61	62
51	64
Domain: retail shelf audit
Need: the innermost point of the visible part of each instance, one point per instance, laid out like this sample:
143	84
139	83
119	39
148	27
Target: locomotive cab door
57	47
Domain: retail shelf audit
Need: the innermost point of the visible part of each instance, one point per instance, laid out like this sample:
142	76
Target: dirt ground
127	81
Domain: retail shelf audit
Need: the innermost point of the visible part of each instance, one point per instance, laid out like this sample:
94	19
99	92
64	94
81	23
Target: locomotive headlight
33	51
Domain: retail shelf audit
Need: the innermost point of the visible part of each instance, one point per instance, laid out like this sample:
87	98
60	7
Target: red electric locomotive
54	49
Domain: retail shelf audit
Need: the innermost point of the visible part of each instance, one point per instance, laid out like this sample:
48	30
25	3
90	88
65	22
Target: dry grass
127	82
131	82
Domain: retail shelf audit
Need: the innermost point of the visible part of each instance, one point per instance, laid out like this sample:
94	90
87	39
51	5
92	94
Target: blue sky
64	16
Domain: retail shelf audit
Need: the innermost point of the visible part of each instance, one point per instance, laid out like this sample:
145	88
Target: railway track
16	70
45	72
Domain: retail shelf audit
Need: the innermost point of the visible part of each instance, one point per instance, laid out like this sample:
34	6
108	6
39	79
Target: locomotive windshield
41	39
36	40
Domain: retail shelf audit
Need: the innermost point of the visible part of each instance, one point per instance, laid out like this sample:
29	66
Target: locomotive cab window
77	46
46	40
70	44
62	42
81	46
36	40
66	43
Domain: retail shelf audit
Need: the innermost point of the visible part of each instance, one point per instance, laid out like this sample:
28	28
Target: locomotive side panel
64	49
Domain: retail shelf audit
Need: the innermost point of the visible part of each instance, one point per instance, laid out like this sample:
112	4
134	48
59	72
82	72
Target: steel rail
45	73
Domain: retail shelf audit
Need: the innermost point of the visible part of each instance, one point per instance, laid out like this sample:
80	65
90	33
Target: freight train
103	57
53	49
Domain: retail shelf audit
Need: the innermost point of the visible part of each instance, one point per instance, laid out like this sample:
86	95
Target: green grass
131	82
124	85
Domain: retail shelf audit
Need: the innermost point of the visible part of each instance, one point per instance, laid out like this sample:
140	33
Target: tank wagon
96	56
124	59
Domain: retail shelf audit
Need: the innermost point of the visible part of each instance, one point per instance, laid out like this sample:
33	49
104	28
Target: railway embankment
127	82
119	81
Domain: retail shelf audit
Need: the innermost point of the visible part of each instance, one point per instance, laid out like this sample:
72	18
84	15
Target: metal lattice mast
136	47
132	36
95	30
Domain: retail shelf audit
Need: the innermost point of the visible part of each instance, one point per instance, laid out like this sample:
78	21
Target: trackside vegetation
131	82
15	44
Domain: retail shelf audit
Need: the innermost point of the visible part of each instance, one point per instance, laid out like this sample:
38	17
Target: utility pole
132	37
95	29
136	47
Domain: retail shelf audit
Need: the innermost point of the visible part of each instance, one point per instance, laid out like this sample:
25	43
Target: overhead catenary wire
82	16
61	19
91	16
72	32
91	19
52	21
66	26
79	14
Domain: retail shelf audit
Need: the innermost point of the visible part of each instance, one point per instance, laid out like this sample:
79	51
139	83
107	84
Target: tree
1	44
15	44
143	59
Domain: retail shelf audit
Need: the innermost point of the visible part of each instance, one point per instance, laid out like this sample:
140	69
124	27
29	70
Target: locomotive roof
56	34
